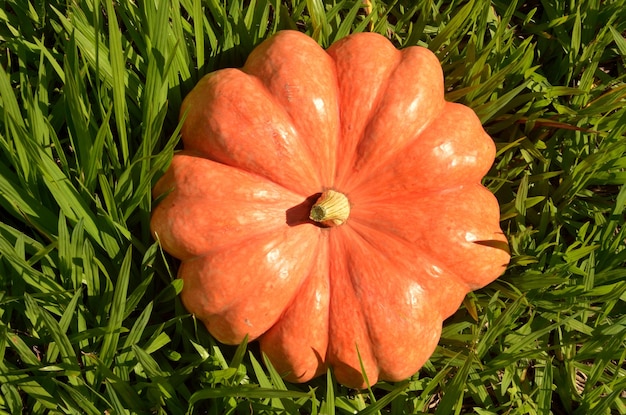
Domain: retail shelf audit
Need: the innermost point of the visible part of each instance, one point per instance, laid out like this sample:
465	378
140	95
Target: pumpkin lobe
331	209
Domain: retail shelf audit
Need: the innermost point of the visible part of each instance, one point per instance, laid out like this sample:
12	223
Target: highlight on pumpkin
331	209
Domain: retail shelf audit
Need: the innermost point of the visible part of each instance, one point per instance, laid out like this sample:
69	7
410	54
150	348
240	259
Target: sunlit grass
89	99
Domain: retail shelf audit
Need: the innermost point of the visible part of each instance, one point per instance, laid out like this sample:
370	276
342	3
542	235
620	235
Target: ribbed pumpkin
329	204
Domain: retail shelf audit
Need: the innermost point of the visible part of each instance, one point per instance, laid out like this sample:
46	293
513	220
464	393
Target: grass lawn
90	321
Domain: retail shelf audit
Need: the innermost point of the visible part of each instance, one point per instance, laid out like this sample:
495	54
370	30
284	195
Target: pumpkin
329	204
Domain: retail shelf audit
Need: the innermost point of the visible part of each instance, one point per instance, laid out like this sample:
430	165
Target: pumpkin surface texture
329	204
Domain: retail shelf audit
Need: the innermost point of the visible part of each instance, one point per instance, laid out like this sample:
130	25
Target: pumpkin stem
331	209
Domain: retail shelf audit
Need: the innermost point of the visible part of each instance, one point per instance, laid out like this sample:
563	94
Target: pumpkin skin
369	121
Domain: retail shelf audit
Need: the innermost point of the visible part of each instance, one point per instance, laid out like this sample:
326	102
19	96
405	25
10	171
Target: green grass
89	316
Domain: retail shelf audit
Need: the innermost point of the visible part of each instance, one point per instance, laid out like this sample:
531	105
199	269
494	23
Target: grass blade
116	312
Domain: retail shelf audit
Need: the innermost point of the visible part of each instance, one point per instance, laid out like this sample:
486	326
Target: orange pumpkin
328	204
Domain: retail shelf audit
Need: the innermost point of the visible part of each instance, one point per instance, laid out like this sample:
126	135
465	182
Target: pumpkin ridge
243	240
363	62
466	150
345	310
299	134
318	248
364	178
195	186
302	355
408	143
423	253
495	243
264	141
368	333
198	154
375	152
240	297
382	197
289	81
483	216
452	290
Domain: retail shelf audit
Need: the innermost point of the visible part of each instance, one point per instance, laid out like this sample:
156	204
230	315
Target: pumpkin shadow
299	214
